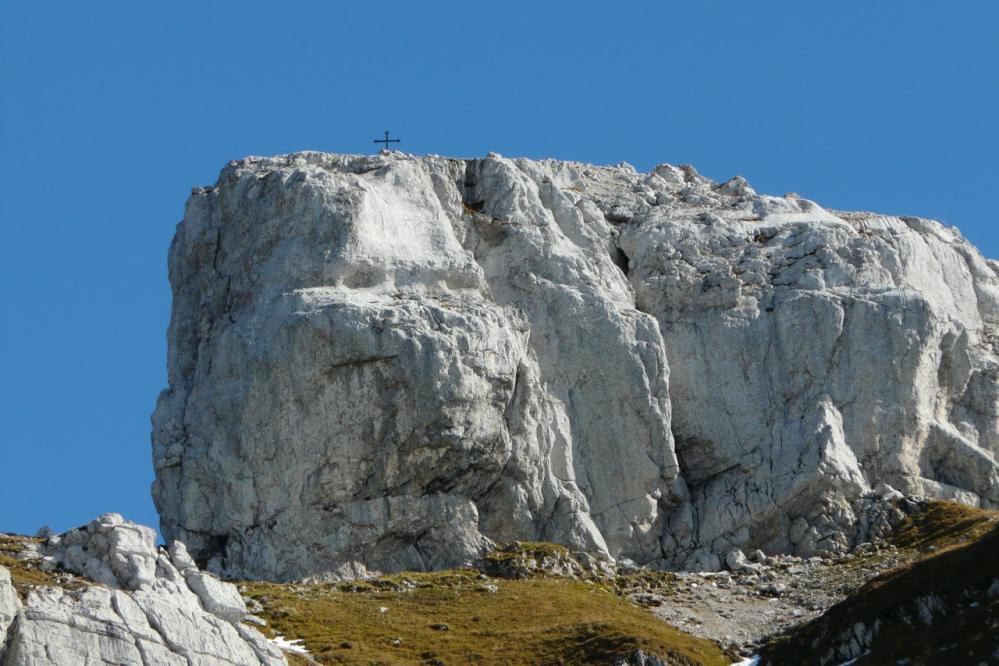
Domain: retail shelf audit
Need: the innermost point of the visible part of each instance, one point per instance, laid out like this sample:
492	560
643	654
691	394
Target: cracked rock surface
144	610
394	361
10	606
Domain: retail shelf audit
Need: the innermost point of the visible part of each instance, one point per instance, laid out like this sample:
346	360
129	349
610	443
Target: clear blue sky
111	111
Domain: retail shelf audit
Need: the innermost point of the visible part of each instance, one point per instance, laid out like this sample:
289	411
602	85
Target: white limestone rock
813	356
159	624
180	558
736	561
108	550
377	392
10	606
393	361
133	615
218	598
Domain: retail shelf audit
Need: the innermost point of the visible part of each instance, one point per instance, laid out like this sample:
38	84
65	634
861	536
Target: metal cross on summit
387	140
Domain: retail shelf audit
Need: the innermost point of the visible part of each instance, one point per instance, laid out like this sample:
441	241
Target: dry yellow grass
24	574
453	618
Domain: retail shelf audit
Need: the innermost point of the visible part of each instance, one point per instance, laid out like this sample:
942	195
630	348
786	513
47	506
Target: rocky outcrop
395	361
10	606
146	609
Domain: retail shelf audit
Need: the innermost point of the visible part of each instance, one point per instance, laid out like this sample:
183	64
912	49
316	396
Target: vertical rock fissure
620	259
8	640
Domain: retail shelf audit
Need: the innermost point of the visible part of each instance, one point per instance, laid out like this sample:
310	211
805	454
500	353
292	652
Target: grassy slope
537	620
533	621
548	620
956	558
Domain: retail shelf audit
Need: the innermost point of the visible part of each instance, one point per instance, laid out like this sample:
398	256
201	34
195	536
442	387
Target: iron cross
387	140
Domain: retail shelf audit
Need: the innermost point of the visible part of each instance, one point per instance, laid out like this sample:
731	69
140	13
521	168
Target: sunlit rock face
132	604
394	361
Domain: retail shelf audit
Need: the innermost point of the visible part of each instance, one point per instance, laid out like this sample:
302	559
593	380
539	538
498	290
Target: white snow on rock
283	643
393	361
748	661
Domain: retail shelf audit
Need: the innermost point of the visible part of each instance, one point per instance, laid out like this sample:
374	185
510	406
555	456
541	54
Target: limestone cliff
391	361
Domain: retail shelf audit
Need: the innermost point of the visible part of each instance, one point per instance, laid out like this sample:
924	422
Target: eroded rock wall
392	361
813	356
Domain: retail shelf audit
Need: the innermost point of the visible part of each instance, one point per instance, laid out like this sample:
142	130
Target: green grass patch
453	617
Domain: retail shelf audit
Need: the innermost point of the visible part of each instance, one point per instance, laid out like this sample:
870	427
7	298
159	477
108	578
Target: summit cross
387	140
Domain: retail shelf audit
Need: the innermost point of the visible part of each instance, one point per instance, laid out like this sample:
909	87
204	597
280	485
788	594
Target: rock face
394	361
10	606
148	608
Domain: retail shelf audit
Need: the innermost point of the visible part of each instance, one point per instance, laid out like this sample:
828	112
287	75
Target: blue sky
111	111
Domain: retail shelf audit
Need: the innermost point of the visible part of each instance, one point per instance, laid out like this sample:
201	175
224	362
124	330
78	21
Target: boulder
736	561
109	550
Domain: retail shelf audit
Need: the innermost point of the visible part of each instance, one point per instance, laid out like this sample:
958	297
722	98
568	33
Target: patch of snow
290	646
748	661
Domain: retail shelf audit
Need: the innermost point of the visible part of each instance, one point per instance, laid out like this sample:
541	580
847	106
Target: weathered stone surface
110	550
218	598
392	361
135	615
735	560
10	605
814	355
